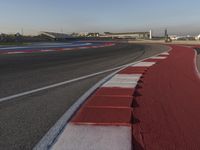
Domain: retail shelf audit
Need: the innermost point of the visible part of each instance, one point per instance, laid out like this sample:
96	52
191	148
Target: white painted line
195	64
46	142
86	137
144	64
158	57
137	63
57	84
61	83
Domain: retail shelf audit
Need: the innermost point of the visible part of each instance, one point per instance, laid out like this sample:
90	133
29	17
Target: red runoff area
168	112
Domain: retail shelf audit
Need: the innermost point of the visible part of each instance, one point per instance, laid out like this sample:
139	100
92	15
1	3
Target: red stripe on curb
110	101
115	91
133	70
103	116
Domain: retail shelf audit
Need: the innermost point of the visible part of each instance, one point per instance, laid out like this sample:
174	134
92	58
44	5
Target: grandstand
135	35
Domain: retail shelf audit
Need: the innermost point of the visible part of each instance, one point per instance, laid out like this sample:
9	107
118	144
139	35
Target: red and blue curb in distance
22	50
105	120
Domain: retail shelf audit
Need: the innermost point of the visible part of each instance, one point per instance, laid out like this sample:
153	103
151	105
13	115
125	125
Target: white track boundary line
58	84
195	63
52	135
65	82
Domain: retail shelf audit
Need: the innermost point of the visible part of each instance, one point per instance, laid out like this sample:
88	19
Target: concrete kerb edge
53	134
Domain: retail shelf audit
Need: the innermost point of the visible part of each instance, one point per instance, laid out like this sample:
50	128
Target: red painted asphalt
168	112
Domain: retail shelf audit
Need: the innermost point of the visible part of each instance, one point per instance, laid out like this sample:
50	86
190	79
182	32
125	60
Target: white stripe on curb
87	137
125	78
165	53
122	79
158	57
131	76
120	85
144	64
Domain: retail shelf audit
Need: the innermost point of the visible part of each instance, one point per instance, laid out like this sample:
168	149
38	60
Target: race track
25	119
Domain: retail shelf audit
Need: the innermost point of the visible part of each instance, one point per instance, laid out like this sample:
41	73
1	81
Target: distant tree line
18	38
21	38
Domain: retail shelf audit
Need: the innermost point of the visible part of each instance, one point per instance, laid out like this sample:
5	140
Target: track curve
25	120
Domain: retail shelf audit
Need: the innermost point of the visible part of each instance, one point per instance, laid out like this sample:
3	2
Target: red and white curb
105	119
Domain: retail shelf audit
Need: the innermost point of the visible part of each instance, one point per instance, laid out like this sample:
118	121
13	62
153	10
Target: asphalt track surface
24	120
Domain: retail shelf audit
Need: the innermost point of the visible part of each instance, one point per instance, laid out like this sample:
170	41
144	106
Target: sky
180	17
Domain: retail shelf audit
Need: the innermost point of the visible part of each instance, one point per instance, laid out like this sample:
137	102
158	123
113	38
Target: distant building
127	35
173	37
96	34
56	36
83	34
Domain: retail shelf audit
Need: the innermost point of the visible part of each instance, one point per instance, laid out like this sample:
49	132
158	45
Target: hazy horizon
180	18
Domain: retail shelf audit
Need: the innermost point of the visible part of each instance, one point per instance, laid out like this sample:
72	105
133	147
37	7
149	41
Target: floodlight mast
167	38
